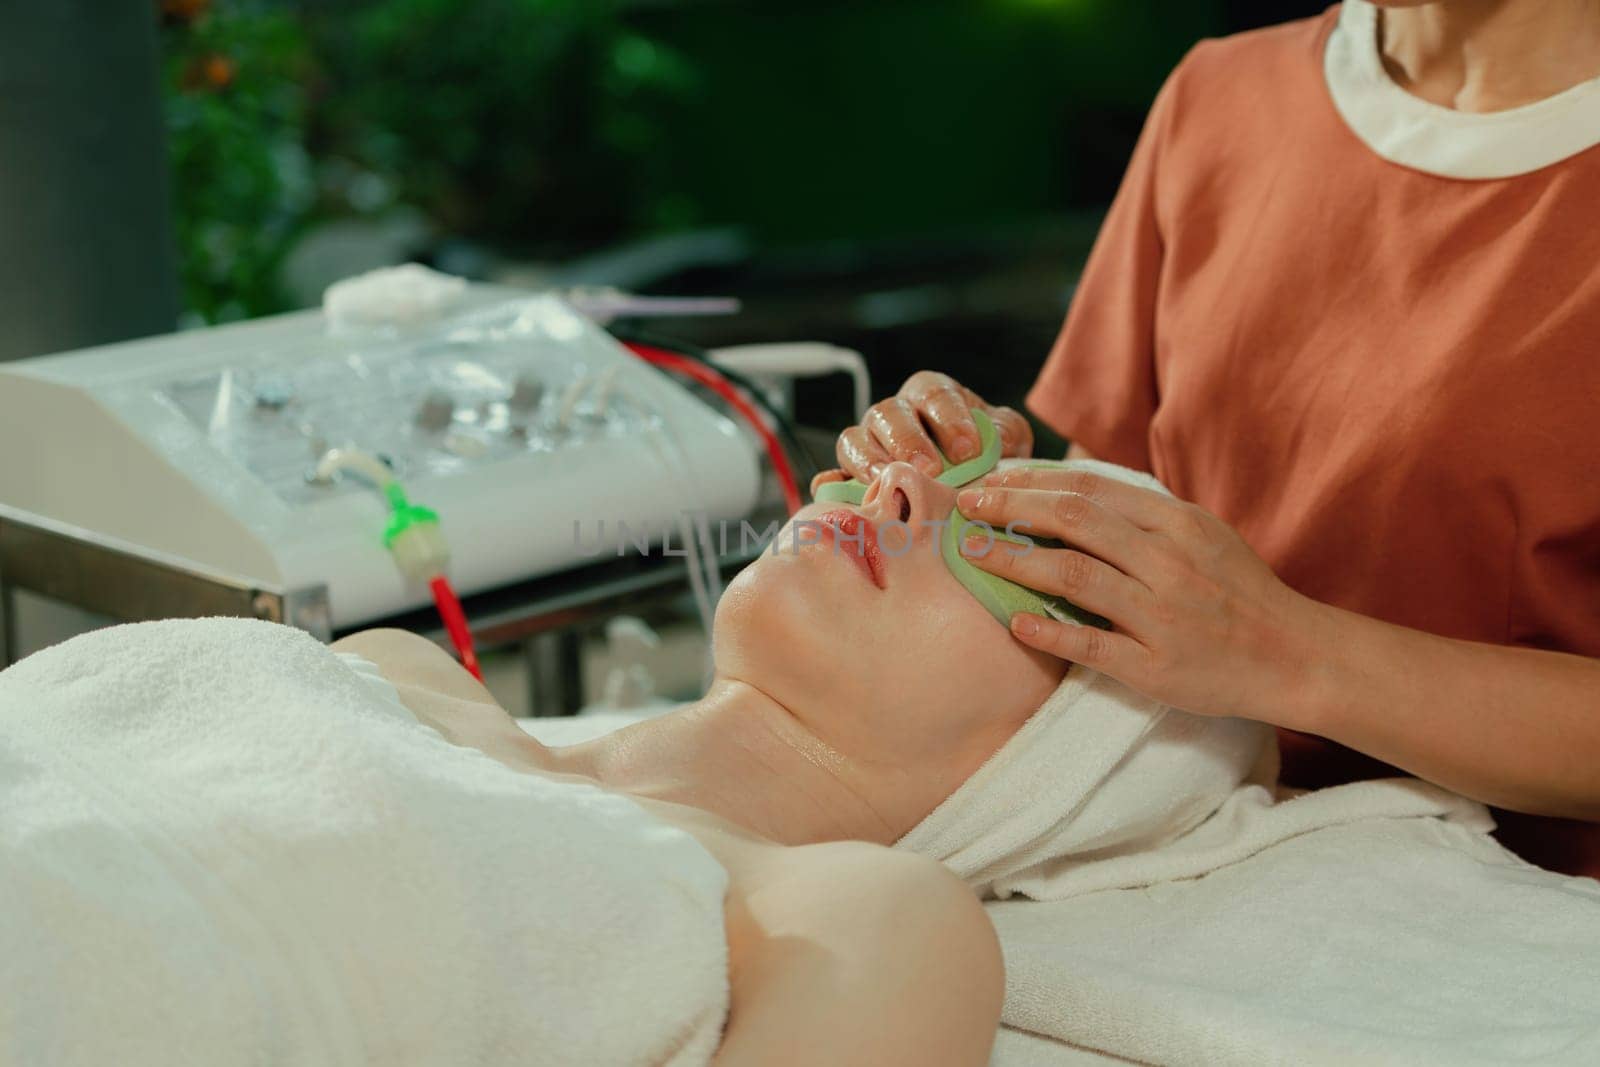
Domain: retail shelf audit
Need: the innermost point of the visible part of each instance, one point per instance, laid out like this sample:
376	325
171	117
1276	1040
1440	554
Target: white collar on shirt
1414	133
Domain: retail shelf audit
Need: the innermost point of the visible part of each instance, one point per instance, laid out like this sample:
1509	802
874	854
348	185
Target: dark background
917	179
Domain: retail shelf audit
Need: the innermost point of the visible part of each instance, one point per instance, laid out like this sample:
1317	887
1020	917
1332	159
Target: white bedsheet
1400	941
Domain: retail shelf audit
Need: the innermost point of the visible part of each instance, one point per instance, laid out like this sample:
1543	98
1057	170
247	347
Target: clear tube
337	460
699	554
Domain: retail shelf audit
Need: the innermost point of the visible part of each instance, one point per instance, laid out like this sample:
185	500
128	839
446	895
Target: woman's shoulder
894	951
1255	67
1231	108
873	869
905	910
1238	53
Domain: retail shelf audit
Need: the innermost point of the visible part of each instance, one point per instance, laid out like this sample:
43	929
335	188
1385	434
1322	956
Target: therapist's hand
930	409
1201	622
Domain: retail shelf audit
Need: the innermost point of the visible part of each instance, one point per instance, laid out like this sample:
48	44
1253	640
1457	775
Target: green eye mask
1002	598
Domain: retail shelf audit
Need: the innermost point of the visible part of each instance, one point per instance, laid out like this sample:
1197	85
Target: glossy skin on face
896	664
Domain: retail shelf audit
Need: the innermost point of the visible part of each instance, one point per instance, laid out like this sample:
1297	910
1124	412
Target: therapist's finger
946	406
1070	517
1075	576
948	414
894	424
1109	653
859	453
1145	508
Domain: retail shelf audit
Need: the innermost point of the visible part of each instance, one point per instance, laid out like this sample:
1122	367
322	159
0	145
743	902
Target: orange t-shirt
1387	380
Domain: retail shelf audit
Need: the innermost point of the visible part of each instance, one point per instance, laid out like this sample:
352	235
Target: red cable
708	377
444	596
455	623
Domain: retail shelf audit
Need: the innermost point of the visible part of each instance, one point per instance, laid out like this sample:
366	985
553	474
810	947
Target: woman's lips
853	535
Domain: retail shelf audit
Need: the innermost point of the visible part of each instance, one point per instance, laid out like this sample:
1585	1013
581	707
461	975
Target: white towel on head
1098	772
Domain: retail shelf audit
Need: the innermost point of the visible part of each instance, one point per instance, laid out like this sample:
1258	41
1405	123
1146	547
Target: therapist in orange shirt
1347	304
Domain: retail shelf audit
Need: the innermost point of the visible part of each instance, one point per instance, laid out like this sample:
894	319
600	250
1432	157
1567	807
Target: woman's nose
901	493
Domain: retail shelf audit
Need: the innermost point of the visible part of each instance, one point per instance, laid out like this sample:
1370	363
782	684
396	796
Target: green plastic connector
413	537
403	514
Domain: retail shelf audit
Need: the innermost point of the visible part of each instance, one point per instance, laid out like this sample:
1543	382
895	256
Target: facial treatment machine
214	455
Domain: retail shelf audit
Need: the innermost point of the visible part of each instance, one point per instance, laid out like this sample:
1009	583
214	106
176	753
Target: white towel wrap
1097	773
223	846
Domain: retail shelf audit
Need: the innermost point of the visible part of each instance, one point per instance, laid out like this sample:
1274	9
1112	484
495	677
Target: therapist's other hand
1201	622
931	409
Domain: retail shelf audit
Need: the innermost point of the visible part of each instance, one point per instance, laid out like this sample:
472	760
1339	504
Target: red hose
444	596
708	377
455	623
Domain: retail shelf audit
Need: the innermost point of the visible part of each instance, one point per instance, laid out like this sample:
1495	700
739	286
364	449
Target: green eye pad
1002	598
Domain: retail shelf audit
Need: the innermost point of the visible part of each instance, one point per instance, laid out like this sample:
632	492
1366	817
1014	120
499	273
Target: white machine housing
528	429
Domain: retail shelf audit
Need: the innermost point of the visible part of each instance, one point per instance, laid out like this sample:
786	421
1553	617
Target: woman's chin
795	632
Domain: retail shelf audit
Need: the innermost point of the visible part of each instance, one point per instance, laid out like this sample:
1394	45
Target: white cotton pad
391	296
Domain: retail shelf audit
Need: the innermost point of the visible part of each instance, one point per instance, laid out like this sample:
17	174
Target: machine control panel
501	384
530	431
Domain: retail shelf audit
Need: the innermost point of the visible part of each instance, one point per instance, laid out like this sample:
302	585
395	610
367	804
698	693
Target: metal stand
545	617
132	584
553	663
10	648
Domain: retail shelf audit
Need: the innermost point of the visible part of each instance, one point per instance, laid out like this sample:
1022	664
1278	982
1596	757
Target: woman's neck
741	755
1491	55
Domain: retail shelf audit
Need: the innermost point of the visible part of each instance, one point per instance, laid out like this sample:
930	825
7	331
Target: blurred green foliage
236	118
525	123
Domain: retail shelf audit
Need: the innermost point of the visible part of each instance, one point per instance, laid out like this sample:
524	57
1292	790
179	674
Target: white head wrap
1098	772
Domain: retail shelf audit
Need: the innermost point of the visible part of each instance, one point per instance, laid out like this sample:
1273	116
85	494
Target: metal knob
436	412
526	394
273	394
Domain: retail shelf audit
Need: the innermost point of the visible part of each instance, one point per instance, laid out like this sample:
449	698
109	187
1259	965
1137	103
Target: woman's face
852	621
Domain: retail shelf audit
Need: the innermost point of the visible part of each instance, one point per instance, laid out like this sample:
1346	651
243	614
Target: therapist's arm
1203	624
1514	727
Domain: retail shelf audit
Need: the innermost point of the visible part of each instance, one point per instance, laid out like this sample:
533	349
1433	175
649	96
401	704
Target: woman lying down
225	843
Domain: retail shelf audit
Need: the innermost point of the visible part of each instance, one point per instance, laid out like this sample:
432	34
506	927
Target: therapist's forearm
1514	727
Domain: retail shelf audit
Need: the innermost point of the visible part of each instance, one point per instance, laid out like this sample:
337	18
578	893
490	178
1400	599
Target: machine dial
526	393
273	394
436	412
